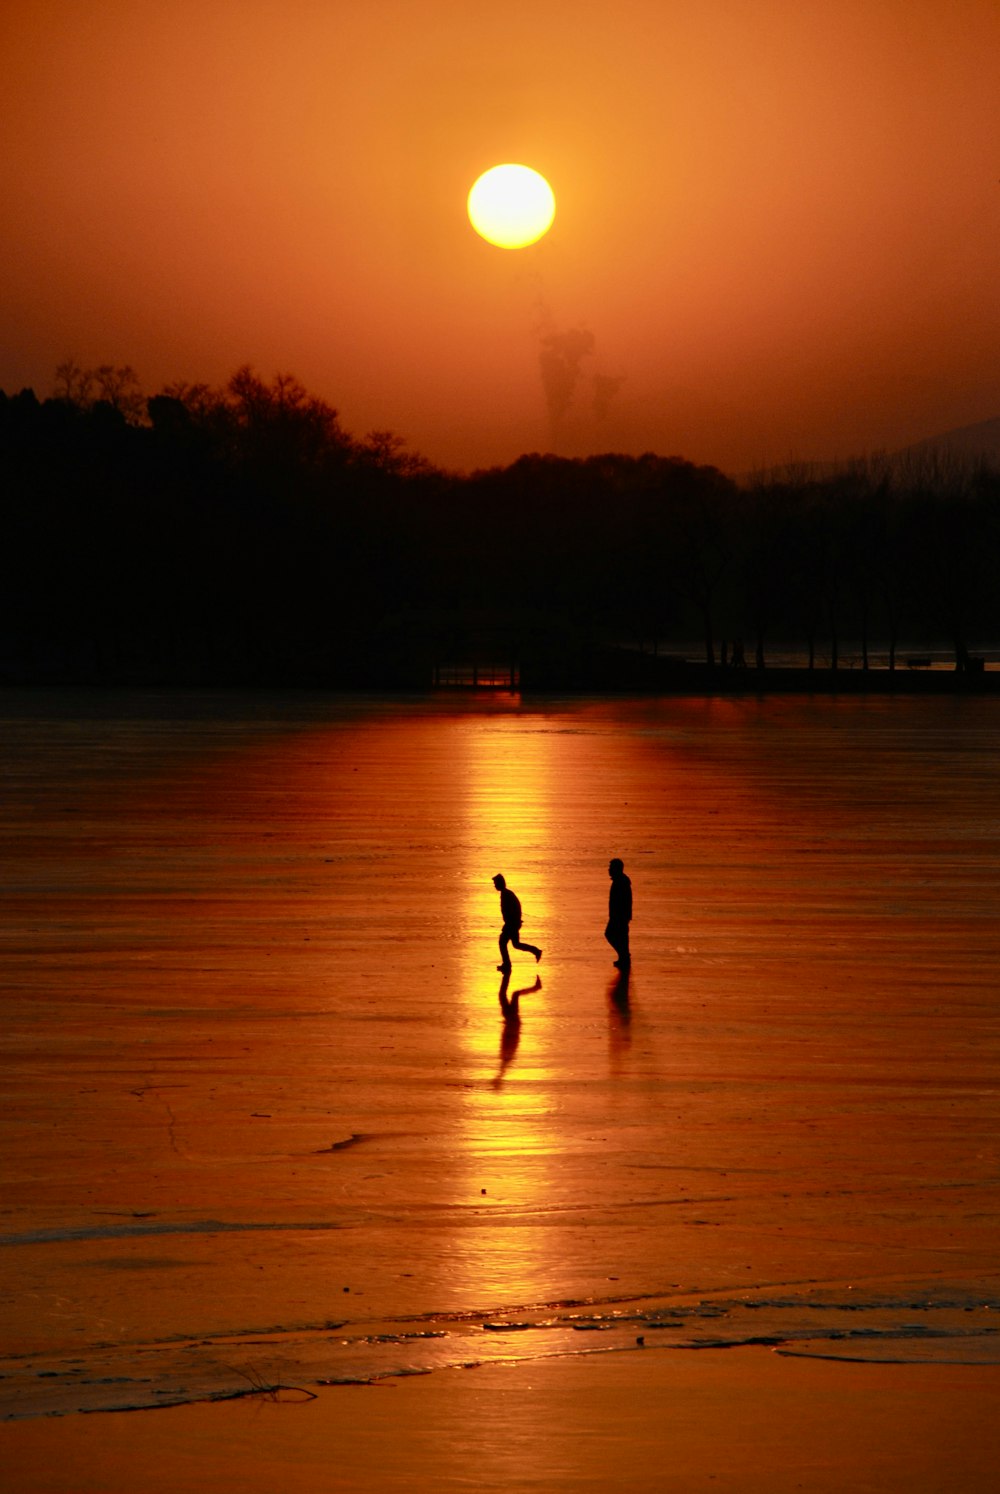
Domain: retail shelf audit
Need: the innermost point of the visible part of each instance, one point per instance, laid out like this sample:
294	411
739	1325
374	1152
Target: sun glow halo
511	206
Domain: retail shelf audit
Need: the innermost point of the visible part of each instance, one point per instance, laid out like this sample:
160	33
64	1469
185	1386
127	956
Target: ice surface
262	1115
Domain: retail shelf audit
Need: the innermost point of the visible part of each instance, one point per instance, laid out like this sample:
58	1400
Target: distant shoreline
703	679
645	675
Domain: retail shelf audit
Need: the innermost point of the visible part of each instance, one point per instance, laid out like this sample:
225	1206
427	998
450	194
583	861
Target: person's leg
504	955
529	948
617	936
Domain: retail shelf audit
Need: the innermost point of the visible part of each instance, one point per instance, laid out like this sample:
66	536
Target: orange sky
778	219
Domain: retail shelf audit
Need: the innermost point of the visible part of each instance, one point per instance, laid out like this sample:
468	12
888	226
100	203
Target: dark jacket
620	900
510	908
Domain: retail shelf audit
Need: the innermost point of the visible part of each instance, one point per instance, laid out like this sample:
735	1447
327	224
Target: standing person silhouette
619	913
510	912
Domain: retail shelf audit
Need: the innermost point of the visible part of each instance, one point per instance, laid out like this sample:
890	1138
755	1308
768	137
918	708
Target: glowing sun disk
511	206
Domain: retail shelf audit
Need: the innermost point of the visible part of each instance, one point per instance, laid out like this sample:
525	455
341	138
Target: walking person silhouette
510	912
619	913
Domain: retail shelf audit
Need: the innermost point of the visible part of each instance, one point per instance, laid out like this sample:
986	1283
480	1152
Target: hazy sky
777	230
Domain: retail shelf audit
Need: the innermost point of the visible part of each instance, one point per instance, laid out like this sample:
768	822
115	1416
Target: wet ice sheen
261	1114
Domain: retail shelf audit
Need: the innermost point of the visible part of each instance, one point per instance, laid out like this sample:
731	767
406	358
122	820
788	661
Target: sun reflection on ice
505	798
504	789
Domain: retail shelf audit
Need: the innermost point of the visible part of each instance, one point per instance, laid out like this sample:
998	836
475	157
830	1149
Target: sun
511	206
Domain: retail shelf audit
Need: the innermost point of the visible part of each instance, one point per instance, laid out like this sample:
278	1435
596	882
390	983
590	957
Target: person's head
615	867
499	883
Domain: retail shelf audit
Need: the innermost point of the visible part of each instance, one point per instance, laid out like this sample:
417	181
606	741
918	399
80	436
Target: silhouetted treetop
242	533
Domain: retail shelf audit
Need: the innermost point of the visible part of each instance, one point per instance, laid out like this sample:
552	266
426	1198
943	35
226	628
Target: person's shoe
538	955
505	969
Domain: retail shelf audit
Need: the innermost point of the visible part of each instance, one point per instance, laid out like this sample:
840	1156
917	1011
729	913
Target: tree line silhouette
241	535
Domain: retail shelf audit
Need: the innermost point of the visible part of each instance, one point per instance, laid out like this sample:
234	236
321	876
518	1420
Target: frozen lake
262	1116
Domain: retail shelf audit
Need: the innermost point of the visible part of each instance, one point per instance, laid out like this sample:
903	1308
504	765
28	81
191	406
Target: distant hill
969	445
969	441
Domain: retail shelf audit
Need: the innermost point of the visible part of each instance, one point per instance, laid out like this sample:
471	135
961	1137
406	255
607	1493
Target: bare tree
120	388
115	386
74	384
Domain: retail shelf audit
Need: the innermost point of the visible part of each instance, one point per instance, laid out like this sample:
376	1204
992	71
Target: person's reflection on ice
618	997
510	1036
619	1018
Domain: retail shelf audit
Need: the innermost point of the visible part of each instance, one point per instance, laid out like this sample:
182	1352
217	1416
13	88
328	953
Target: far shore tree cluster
241	536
